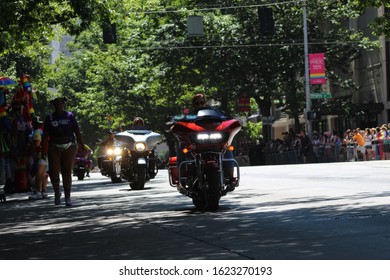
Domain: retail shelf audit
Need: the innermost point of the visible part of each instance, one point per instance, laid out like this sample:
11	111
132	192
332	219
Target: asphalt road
334	211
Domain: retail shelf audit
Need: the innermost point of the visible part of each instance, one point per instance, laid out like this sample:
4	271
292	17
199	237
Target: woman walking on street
59	131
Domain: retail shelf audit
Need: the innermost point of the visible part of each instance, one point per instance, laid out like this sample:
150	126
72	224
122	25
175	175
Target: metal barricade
350	151
379	148
285	157
318	151
386	146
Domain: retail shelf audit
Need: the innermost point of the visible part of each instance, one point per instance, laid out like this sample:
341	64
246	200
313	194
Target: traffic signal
314	115
317	114
109	33
266	21
309	115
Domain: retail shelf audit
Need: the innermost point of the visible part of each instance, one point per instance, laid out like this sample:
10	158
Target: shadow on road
111	222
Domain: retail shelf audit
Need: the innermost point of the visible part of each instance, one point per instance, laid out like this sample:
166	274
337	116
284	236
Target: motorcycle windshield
204	114
139	131
130	138
209	113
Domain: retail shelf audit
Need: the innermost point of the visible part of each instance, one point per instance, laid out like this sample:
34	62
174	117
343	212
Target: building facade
371	99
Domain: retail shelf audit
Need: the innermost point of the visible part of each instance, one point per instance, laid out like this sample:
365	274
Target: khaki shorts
361	149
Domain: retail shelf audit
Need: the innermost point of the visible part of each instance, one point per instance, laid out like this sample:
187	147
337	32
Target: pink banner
317	68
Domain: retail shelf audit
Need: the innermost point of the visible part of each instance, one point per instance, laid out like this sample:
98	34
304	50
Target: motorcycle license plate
117	167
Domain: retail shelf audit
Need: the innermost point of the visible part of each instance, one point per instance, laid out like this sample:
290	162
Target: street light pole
307	84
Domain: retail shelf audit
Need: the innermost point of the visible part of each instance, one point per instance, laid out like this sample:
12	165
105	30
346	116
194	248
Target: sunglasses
199	103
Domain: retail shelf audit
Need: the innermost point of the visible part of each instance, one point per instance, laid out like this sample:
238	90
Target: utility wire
264	45
186	9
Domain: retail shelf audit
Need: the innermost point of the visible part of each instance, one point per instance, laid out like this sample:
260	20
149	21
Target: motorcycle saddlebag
173	172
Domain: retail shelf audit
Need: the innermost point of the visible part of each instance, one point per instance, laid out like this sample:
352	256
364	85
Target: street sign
195	26
320	95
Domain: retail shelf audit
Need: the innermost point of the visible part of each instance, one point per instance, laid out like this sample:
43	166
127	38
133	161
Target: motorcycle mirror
213	103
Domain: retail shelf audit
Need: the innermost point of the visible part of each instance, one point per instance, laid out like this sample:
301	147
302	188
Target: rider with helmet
138	124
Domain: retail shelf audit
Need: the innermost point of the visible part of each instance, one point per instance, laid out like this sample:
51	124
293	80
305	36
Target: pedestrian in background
306	146
360	147
380	136
368	137
60	131
39	165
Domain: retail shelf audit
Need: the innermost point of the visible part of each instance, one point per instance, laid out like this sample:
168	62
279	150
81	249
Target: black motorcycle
80	167
110	162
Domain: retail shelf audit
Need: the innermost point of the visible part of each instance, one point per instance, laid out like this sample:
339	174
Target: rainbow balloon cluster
6	82
25	82
23	98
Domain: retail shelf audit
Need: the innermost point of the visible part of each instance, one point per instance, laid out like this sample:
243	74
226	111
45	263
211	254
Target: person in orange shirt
360	144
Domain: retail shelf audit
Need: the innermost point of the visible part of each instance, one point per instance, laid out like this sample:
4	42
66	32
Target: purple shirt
61	128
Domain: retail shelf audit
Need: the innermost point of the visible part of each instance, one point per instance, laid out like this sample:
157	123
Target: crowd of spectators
330	146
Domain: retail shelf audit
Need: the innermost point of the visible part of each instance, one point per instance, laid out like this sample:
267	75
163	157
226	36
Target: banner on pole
317	68
244	103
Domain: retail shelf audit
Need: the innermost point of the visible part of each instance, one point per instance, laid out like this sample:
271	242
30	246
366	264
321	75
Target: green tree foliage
27	27
26	21
381	25
254	130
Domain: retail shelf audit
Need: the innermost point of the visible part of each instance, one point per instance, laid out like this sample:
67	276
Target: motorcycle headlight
140	147
213	137
114	151
117	151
